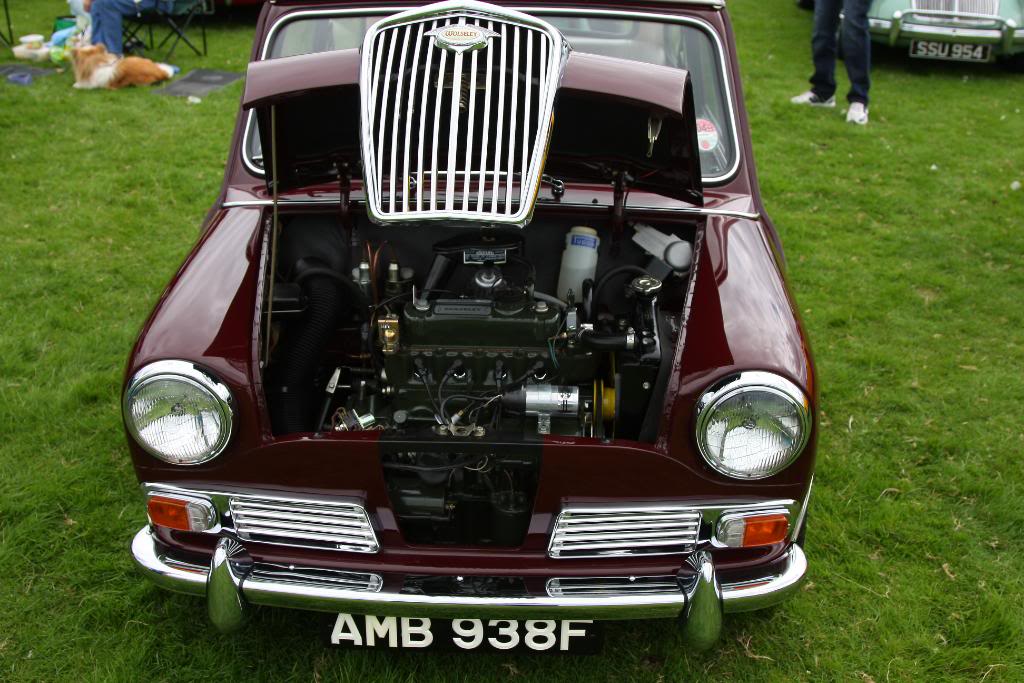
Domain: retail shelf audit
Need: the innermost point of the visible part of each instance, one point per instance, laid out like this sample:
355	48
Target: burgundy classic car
486	339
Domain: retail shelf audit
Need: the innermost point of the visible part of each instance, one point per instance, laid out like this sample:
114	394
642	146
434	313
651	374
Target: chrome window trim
540	11
193	374
737	383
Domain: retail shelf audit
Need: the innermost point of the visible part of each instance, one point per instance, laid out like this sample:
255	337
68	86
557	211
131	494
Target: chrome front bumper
231	583
1004	33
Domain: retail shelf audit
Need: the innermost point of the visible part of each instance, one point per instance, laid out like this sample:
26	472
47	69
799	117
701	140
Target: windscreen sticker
707	135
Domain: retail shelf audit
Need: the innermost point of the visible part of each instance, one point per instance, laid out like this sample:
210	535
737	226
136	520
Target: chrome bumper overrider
231	582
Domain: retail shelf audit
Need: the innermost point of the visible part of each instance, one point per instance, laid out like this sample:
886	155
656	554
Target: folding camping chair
9	36
178	18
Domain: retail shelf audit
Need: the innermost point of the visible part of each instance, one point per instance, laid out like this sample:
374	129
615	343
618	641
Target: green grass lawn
906	252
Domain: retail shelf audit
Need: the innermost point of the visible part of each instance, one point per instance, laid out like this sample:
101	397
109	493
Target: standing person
856	53
108	17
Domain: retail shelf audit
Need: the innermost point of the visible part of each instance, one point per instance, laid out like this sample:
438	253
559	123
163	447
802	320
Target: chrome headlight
178	412
752	425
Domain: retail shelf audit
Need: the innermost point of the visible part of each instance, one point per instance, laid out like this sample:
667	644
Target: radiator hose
302	350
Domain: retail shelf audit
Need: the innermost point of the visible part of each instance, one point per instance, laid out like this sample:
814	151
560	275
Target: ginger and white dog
96	68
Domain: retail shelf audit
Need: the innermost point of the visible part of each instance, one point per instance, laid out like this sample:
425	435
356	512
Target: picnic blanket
199	83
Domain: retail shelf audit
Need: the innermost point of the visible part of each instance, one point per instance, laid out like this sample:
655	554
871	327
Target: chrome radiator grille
303	523
956	12
457	132
604	532
614	585
958	6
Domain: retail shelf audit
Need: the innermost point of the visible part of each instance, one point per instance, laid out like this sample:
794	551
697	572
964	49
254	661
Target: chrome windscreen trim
723	63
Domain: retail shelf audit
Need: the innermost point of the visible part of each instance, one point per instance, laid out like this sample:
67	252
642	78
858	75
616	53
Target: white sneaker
810	98
857	113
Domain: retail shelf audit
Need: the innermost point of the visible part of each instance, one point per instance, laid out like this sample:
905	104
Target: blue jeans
108	15
856	48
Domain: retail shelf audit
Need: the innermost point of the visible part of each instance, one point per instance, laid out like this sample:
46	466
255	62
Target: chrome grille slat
526	114
639	534
340	510
615	585
482	184
438	98
500	127
598	532
384	109
303	523
470	126
256	527
372	176
423	122
476	123
397	116
453	130
301	517
513	93
630	526
406	185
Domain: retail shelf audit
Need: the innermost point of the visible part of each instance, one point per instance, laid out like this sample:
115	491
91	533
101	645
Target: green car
954	30
957	30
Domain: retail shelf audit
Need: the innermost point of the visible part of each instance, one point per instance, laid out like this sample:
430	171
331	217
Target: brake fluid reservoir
579	261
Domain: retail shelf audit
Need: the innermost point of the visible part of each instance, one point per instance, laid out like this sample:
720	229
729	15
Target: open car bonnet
431	141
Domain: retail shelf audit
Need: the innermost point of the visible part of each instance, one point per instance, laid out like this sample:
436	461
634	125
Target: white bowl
33	41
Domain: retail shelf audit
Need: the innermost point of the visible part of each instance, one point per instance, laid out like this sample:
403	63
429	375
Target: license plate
569	636
956	52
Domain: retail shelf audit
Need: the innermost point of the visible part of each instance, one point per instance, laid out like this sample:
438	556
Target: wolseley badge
461	37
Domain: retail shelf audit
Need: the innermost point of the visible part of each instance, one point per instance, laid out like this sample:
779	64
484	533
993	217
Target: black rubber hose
606	342
604	279
293	409
358	298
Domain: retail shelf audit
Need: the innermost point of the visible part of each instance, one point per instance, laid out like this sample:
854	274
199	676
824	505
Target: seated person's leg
108	17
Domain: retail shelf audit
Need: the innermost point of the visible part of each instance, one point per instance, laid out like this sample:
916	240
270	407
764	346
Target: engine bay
466	347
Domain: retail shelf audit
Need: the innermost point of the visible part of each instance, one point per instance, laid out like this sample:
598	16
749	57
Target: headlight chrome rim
198	377
736	384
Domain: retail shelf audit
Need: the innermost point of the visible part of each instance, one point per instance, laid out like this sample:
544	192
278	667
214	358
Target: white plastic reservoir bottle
579	261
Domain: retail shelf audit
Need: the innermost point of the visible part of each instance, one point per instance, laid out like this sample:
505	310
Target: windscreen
678	44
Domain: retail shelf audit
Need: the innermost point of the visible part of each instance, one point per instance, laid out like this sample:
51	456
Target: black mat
33	71
199	83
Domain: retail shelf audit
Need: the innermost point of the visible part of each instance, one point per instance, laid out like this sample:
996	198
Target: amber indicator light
764	530
169	512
